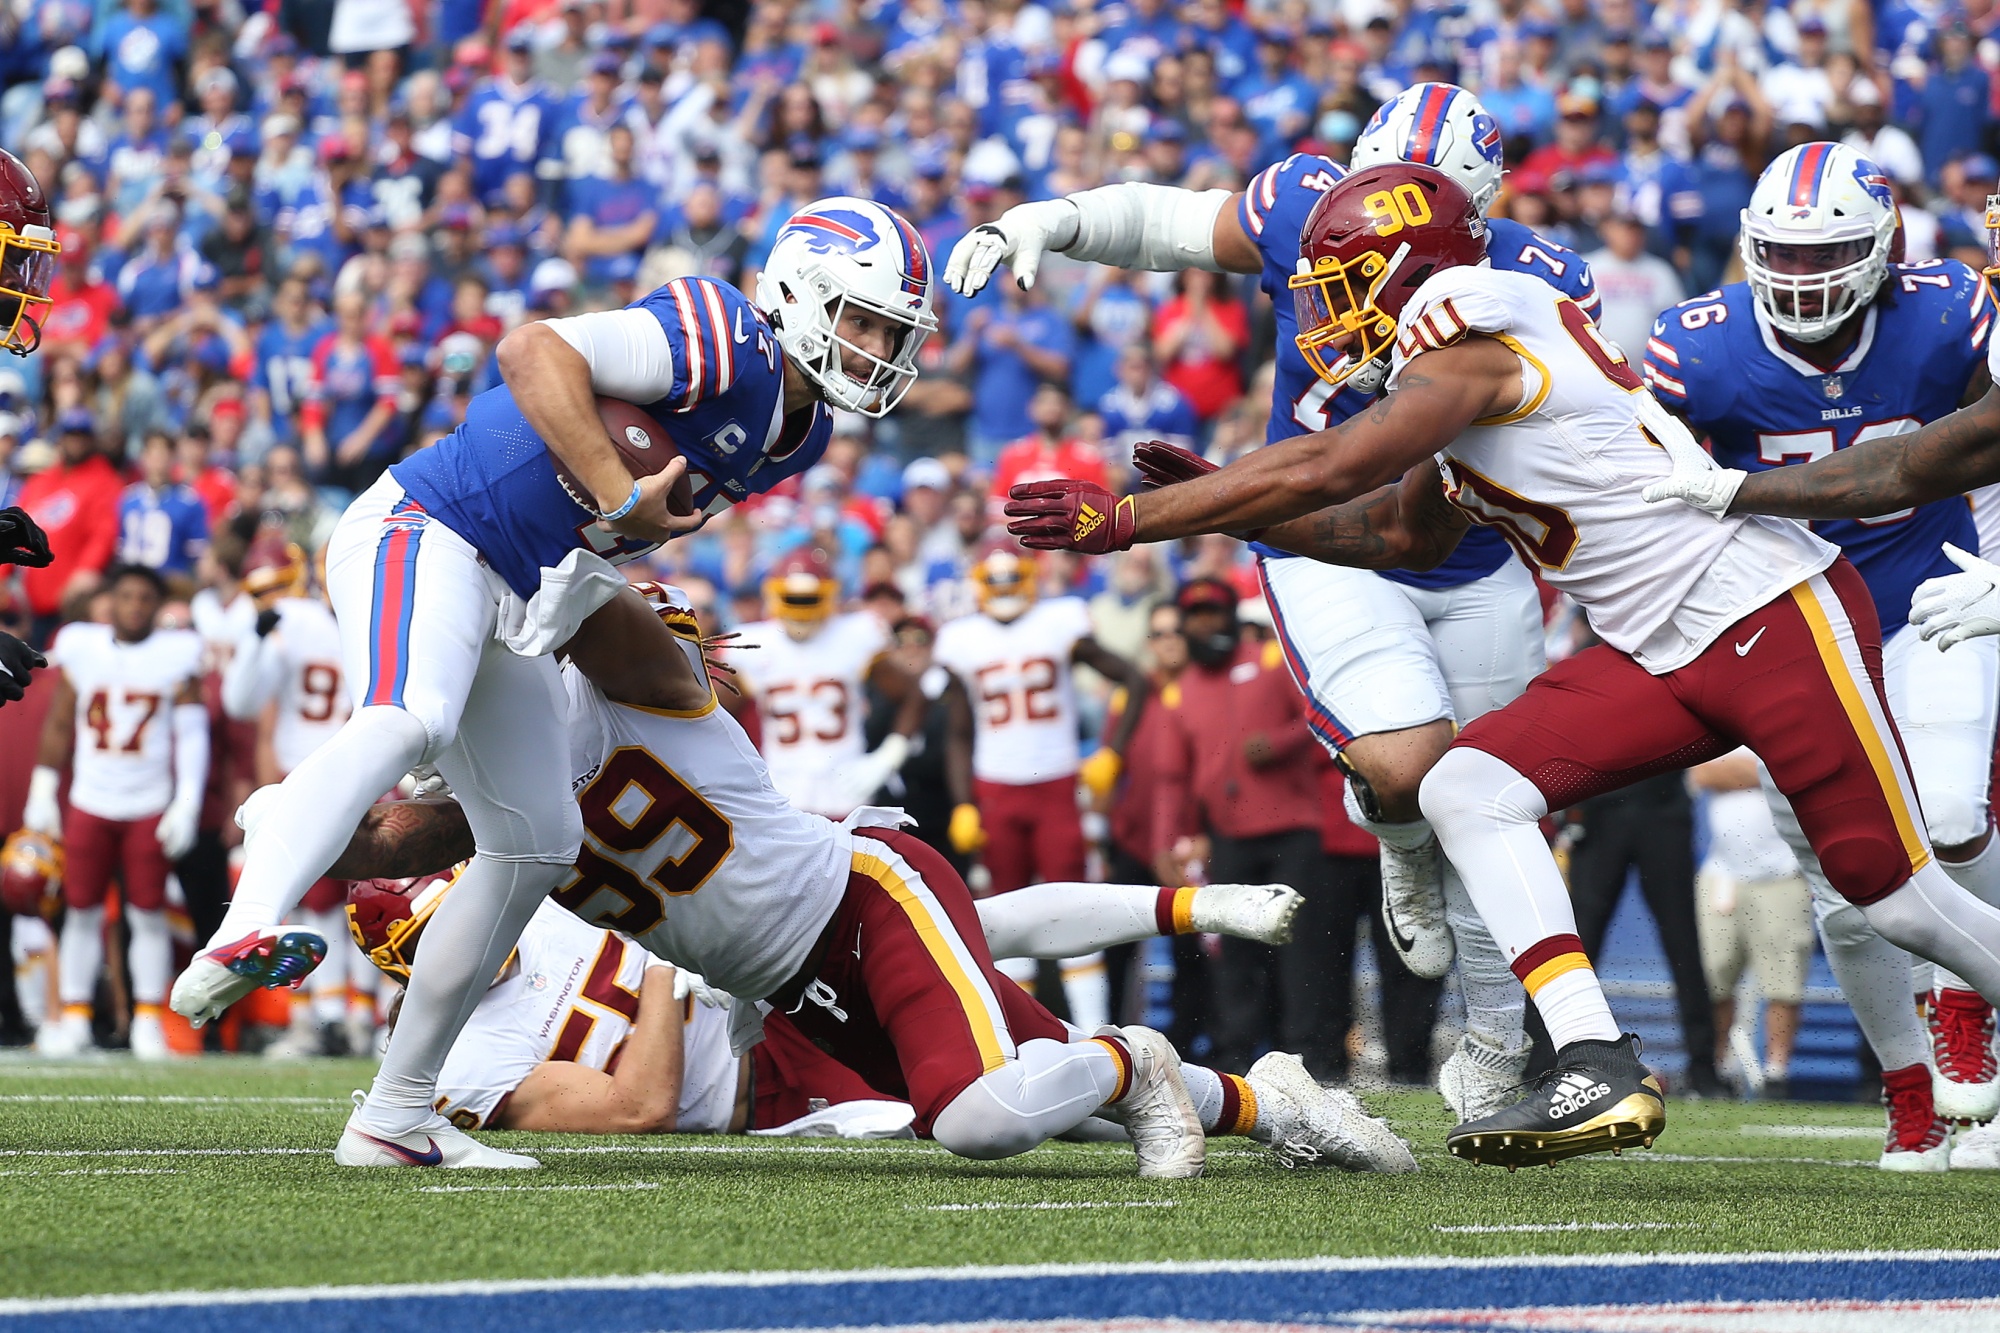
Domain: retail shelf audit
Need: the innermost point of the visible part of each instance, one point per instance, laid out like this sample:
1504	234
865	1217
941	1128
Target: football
644	447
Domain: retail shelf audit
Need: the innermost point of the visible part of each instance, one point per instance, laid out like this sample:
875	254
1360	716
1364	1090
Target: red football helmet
385	917
802	588
28	250
31	870
275	568
1366	247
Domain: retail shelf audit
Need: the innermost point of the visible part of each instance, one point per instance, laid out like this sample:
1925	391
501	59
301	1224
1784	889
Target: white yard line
164	1099
1812	1131
1035	1207
1539	1227
536	1189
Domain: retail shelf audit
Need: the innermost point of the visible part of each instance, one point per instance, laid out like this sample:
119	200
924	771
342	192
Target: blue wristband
630	502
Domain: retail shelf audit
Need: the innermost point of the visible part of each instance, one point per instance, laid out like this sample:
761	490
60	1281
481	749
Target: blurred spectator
350	401
1199	338
1887	146
1046	451
1010	346
75	500
1634	286
614	220
1121	614
1144	406
1956	100
162	524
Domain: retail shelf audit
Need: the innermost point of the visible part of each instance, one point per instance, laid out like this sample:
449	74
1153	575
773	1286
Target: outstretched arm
1132	225
1951	456
1409	525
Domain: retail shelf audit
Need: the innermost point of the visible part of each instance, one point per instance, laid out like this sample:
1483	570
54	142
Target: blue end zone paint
1266	1292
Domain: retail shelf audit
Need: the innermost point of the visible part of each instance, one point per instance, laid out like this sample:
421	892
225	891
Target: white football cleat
1480	1078
1156	1109
1965	1078
1977	1149
436	1142
1413	908
221	976
149	1039
1262	912
1311	1126
63	1037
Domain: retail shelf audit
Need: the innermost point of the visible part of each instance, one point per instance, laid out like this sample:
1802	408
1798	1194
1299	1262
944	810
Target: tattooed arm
1951	456
1410	525
404	839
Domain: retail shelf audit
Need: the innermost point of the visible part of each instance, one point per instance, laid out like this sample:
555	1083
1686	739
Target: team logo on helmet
1486	137
833	231
1871	178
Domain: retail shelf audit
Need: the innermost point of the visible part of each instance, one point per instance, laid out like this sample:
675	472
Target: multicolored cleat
225	974
1598	1097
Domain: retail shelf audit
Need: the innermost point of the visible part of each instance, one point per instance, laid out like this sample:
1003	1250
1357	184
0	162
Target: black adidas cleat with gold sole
1597	1097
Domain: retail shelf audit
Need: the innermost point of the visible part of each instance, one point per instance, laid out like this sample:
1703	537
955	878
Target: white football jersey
221	627
1023	701
688	847
124	761
298	665
813	700
1561	477
572	994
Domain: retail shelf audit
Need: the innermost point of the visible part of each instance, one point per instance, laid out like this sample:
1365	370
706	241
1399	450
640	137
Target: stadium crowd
292	238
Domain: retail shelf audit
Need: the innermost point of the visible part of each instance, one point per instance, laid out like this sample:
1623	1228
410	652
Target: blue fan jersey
1718	361
493	481
1273	212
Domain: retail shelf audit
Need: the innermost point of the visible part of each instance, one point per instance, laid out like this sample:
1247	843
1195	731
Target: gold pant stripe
971	997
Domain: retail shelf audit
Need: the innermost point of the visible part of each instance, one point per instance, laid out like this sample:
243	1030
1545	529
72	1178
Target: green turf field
121	1178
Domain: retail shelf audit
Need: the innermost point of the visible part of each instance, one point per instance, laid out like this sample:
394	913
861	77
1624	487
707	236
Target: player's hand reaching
651	519
1957	607
1022	234
1064	514
967	834
21	541
17	660
177	828
1162	464
1697	479
688	983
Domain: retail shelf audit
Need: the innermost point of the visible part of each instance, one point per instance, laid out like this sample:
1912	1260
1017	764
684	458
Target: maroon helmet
28	250
386	917
1366	247
31	869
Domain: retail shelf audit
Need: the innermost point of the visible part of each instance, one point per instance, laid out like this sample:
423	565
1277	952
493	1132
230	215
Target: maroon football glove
1067	515
1162	464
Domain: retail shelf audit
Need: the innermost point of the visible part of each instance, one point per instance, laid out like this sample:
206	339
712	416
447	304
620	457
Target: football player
1828	344
808	668
1508	409
860	934
1391	659
28	250
284	675
418	564
128	721
632	1049
1015	655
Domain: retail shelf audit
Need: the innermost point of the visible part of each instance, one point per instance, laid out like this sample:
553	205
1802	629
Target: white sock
1933	917
1205	1087
1485	814
328	983
1023	972
1979	877
1048	1088
1065	920
1087	991
1495	1004
466	943
150	955
316	810
80	955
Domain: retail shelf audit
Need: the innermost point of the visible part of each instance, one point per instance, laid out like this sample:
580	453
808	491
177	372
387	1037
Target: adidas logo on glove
1576	1093
1088	520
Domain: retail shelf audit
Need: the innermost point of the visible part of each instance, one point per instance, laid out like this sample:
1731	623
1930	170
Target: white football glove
426	781
177	827
855	782
1957	607
43	813
1697	479
1023	234
688	983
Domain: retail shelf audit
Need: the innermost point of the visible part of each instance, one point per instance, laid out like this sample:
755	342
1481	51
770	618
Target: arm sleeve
252	677
190	752
627	351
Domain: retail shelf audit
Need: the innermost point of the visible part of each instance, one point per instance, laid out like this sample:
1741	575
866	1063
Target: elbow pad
1136	225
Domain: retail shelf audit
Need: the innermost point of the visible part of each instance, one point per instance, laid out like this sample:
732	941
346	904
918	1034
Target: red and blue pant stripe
390	613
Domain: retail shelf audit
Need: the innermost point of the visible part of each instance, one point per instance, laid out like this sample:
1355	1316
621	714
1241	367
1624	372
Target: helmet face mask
27	267
387	923
1335	305
1817	238
834	261
801	593
1004	580
1993	235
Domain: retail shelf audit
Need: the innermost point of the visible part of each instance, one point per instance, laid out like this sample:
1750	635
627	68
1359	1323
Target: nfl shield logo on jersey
1833	387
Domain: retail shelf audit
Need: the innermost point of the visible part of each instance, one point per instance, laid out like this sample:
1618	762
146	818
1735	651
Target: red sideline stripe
1555	946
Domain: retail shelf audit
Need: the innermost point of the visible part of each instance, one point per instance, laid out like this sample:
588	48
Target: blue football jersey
493	481
1718	361
1273	213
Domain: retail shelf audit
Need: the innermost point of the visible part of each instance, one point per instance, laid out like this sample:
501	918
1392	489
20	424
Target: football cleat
1966	1083
1262	912
225	974
1413	908
1305	1125
1597	1097
1480	1078
1919	1139
148	1038
436	1142
1156	1109
64	1036
1976	1149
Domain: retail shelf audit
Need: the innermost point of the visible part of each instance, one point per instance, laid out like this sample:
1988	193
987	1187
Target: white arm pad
627	352
190	753
1136	225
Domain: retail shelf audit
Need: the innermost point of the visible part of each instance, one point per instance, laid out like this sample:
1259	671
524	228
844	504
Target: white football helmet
1440	125
1816	238
839	253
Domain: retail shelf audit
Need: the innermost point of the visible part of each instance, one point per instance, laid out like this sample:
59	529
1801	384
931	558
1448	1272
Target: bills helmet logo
1486	137
1872	179
834	231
